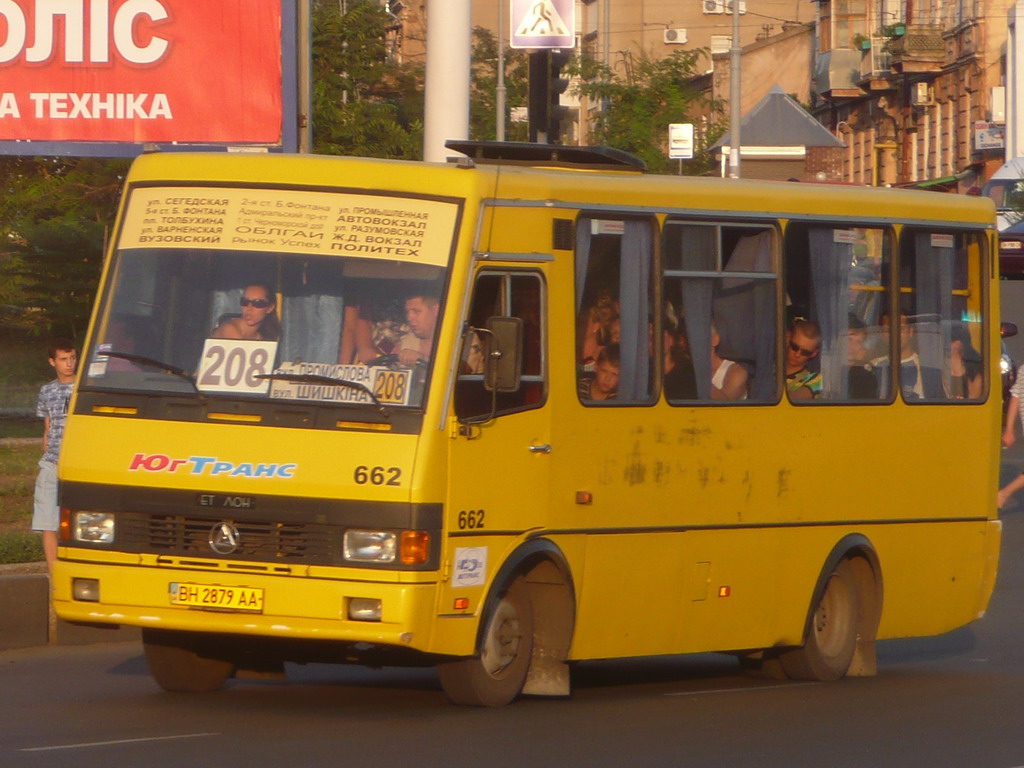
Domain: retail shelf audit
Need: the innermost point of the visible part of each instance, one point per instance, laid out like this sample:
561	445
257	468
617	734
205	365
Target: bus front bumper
289	607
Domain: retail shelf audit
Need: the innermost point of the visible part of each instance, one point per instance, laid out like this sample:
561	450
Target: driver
415	346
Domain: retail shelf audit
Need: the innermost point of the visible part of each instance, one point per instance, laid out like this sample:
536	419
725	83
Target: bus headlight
370	546
93	527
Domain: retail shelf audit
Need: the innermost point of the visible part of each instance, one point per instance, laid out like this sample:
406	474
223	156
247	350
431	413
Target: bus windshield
226	299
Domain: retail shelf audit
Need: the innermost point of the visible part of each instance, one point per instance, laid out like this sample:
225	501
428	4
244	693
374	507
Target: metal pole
304	51
449	42
607	24
734	94
499	91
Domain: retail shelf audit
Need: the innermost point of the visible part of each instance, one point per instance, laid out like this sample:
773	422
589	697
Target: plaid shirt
53	404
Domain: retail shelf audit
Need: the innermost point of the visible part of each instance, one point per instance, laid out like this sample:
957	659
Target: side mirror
503	354
1006	330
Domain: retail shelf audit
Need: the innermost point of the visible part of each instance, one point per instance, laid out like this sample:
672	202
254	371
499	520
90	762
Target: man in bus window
917	381
861	382
728	378
803	343
421	315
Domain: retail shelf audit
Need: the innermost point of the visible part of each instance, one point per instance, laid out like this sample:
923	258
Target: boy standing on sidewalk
53	408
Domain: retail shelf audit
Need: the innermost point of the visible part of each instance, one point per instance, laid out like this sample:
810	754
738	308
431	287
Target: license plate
217	597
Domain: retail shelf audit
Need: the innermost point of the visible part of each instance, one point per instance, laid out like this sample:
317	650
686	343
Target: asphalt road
954	700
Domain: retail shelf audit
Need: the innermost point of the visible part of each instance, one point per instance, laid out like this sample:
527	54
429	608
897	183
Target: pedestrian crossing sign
543	24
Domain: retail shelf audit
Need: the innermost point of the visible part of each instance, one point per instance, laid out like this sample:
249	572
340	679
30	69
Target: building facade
914	89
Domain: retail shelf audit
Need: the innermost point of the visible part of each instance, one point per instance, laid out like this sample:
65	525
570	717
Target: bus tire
831	639
178	664
496	676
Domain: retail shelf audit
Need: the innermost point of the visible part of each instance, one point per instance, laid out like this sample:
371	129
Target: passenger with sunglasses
803	343
258	321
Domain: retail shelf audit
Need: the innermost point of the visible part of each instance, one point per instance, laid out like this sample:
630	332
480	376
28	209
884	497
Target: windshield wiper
310	378
150	362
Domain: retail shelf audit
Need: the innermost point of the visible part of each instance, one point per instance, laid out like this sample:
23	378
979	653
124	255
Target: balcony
920	49
876	65
836	74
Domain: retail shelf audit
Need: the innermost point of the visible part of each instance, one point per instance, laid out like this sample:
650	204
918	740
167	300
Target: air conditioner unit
675	36
920	95
714	6
727	5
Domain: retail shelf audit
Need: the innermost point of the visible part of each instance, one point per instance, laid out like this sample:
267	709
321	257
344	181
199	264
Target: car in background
1011	252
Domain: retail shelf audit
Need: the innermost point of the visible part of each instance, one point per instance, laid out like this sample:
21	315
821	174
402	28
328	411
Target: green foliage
643	102
483	103
53	216
364	102
18	467
24	370
20	547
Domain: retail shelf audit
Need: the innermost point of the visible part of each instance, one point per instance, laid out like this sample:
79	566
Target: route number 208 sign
230	365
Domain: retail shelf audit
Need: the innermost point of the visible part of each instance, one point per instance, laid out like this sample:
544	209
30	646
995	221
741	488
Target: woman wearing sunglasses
258	321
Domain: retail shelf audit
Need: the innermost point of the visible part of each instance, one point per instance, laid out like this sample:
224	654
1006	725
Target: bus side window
837	287
941	356
614	310
719	284
502	294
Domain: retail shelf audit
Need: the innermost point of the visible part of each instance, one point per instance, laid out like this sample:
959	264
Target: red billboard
142	71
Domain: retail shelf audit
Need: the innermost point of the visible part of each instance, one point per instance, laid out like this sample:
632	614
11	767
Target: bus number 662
472	519
377	475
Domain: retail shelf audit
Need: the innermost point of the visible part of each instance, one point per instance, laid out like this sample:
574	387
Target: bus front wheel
178	662
496	676
832	636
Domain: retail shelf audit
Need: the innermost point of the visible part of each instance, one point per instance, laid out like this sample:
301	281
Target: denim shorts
46	515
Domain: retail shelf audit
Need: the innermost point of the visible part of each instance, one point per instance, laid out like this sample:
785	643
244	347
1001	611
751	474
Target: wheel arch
552	593
858	548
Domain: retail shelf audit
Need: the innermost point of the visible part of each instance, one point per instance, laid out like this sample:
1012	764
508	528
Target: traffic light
546	113
557	114
539	102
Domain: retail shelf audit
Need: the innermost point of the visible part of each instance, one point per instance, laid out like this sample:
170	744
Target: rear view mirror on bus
504	351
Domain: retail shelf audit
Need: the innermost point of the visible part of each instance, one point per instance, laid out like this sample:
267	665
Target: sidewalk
26	619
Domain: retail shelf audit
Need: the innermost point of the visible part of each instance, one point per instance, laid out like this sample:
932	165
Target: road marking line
740	690
119	741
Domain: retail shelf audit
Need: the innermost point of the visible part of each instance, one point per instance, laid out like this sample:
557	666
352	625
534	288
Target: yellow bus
529	408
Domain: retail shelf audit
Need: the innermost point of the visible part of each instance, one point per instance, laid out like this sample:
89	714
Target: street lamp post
734	94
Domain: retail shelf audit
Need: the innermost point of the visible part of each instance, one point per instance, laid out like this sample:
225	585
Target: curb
27	619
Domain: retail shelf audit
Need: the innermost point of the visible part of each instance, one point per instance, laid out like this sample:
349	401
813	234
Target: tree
364	102
643	102
53	218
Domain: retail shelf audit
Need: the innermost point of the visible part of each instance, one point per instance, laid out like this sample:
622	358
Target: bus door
499	460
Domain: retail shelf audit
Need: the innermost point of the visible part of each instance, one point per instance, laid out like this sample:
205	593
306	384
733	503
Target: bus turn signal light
415	547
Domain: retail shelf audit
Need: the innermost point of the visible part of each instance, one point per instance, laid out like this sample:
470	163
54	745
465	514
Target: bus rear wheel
179	663
832	636
496	676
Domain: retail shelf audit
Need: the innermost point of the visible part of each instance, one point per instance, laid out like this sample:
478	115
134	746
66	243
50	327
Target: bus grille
307	543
